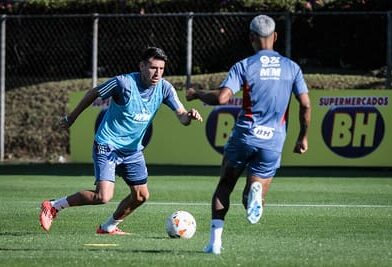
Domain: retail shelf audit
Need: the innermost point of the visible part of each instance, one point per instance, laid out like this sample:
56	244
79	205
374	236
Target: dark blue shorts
108	162
258	161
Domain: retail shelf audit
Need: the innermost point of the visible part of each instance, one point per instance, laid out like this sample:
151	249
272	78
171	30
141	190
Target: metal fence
50	48
37	49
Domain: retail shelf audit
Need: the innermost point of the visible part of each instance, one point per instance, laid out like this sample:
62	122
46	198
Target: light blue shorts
258	161
108	162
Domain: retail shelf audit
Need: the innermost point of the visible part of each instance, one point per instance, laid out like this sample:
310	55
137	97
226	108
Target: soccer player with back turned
267	80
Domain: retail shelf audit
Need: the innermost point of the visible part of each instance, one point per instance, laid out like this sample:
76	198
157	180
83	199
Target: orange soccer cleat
47	215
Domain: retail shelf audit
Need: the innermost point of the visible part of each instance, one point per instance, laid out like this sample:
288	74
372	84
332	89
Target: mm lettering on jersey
353	131
270	68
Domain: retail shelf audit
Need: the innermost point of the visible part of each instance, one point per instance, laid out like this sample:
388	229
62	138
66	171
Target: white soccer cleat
255	205
216	250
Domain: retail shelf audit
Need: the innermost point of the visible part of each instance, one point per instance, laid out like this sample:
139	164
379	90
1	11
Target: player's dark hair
154	52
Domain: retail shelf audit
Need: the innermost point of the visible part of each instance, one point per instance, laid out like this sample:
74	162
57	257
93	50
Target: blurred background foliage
175	6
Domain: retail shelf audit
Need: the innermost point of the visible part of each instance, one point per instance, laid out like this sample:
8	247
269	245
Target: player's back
268	79
267	87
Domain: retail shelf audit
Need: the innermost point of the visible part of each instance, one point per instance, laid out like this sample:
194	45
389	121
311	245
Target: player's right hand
63	122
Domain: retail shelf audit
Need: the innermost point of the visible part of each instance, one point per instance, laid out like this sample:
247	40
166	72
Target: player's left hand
301	146
193	114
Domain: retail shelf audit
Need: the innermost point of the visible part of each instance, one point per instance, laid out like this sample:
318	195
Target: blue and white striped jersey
131	110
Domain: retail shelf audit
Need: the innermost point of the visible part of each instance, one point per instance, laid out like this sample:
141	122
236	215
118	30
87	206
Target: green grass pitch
322	218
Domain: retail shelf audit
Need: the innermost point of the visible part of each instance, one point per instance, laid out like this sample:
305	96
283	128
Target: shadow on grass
94	249
17	233
180	170
113	249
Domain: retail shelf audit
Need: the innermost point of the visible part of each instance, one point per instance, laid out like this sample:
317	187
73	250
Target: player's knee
103	198
142	196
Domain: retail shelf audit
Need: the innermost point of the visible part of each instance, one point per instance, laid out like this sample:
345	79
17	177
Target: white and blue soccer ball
181	224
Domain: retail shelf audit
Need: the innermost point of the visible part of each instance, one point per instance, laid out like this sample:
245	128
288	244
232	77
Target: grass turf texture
312	221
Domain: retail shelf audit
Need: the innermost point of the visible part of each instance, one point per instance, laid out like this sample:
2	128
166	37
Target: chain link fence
52	48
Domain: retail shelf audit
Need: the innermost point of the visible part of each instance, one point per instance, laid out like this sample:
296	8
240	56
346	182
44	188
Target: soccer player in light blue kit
267	80
135	99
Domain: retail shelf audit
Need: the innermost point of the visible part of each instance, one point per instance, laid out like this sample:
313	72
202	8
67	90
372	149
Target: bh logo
219	125
353	132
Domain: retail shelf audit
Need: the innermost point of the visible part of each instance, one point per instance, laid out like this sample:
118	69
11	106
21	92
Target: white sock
60	203
216	232
110	224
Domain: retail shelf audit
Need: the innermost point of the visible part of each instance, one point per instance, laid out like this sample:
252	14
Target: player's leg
221	204
251	179
221	197
134	172
139	194
104	165
254	197
233	165
105	159
102	194
261	170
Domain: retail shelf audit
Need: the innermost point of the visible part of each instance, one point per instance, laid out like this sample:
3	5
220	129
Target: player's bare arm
186	116
210	97
66	121
301	145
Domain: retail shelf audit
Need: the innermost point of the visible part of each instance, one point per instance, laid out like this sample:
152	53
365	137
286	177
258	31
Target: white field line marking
159	203
100	245
276	205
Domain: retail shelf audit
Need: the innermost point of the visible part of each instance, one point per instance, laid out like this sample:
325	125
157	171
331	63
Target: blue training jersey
131	110
267	81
